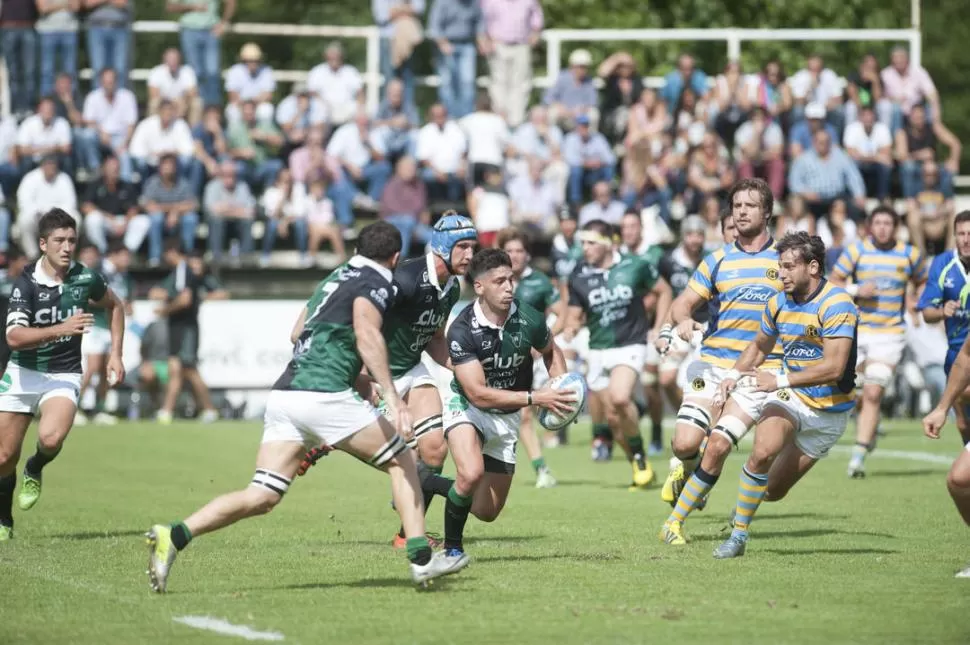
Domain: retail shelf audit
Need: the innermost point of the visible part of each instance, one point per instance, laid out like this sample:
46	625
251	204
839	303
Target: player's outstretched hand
558	401
934	422
764	381
76	325
687	328
116	371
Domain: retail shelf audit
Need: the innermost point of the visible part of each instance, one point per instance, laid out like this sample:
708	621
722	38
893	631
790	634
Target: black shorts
183	343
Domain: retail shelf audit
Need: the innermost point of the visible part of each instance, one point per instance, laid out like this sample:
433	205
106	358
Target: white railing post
734	45
5	90
916	47
374	80
553	56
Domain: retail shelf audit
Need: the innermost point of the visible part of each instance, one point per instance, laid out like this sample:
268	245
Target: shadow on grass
576	557
924	472
798	533
864	551
95	535
578	482
371	583
486	539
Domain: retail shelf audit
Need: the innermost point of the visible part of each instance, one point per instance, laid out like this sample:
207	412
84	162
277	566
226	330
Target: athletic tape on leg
731	427
694	415
388	451
878	374
271	481
430	424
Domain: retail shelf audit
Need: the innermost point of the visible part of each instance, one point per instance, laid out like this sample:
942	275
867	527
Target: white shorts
671	361
816	431
881	348
540	375
499	433
96	341
417	376
602	362
315	418
703	381
23	390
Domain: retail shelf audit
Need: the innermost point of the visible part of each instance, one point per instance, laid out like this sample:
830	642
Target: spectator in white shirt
535	202
165	134
603	207
337	84
297	113
818	84
110	209
869	143
42	134
284	204
490	207
539	139
110	115
488	136
176	82
363	156
40	190
250	80
441	153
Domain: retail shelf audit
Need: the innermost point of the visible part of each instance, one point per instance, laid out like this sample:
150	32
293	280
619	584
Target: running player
609	290
48	313
880	268
809	402
944	298
314	402
97	343
735	282
491	344
566	249
536	290
14	263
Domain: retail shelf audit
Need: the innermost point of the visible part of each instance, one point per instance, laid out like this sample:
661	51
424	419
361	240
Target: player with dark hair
47	315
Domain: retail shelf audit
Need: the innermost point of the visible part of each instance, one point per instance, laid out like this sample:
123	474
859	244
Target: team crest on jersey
43	295
15	295
812	331
76	293
784	395
771	274
698	384
516	339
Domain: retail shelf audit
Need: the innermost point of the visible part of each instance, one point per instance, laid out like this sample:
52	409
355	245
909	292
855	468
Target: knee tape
423	427
877	374
694	415
648	378
271	481
388	451
731	427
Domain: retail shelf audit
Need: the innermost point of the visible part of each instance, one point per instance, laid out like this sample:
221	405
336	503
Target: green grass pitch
839	561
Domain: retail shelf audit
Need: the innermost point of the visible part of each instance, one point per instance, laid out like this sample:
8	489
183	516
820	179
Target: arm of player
665	297
682	313
955	386
438	349
573	323
553	358
752	357
297	330
471	375
835	354
558	309
115	308
373	352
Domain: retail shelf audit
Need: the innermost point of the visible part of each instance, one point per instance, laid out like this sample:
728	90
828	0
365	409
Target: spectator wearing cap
621	92
171	208
456	26
603	206
177	83
512	29
441	153
909	85
110	209
535	201
42	134
817	84
228	202
589	157
299	112
869	143
394	19
57	31
250	80
825	173
863	88
399	119
917	143
362	154
164	134
759	148
40	190
18	43
110	115
311	161
405	205
201	28
108	27
337	84
254	143
488	137
573	94
802	133
686	75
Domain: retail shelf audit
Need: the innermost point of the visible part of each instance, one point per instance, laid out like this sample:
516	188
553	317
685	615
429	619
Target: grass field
839	561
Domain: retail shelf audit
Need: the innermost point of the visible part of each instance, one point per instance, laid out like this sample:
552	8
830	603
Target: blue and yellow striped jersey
948	280
891	270
801	328
736	285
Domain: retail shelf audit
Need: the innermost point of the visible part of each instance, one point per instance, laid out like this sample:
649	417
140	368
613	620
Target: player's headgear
448	231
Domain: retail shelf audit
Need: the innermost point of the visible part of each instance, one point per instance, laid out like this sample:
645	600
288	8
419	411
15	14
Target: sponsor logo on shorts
784	395
771	274
5	383
812	331
697	384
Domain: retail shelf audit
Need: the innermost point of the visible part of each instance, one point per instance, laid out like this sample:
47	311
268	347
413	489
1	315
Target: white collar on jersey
485	322
617	258
526	272
680	256
359	261
43	278
433	274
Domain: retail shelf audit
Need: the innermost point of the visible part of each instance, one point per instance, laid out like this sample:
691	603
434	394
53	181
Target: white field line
924	457
225	628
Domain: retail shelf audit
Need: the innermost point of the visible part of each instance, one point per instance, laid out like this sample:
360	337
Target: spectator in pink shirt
908	85
311	160
512	29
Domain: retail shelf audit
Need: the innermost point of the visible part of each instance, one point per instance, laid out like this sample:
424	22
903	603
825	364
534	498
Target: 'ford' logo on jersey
804	352
754	294
602	294
51	315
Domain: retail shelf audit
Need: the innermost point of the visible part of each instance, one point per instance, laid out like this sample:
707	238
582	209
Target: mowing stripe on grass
925	457
228	629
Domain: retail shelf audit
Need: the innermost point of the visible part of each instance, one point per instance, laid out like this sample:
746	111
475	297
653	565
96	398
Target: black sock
456	514
41	458
656	433
7	484
440	485
636	444
425	473
642	408
180	536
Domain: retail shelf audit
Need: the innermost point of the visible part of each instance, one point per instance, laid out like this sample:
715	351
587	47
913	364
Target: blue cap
448	231
582	119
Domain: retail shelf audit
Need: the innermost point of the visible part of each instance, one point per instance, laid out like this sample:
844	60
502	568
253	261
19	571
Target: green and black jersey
536	290
420	310
122	286
505	352
325	357
37	300
199	284
566	255
613	300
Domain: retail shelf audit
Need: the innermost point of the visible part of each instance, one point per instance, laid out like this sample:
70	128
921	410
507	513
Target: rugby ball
568	381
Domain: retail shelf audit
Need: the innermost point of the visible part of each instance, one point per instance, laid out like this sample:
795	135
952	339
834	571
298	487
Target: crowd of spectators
596	144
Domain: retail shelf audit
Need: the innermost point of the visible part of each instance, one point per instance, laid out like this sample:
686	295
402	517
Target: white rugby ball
568	381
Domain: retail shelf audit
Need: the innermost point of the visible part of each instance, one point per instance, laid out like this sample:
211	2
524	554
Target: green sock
636	444
602	431
539	464
181	536
419	550
456	514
